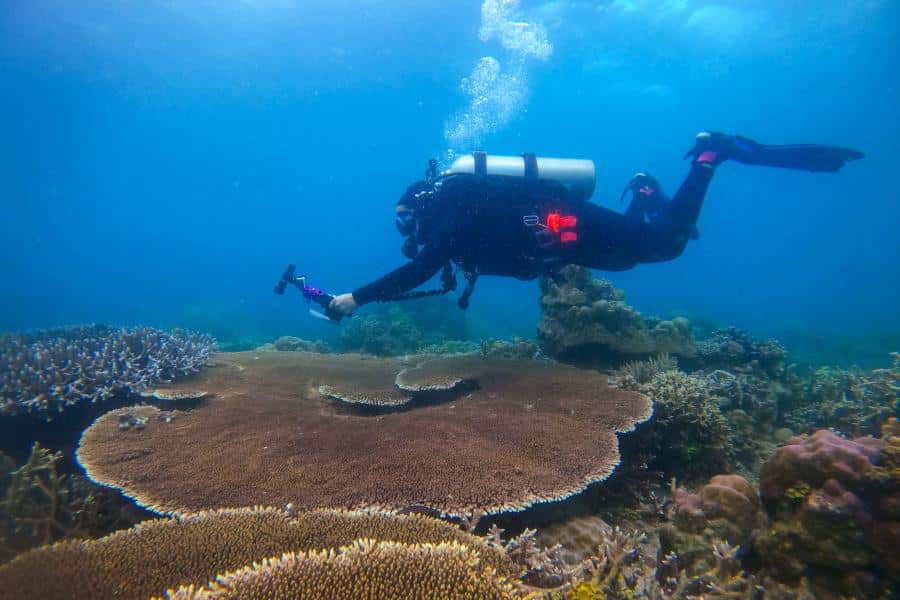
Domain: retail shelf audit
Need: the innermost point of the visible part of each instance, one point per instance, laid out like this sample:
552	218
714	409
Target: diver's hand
344	304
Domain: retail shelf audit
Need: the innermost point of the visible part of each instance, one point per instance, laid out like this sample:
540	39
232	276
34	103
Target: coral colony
47	372
391	475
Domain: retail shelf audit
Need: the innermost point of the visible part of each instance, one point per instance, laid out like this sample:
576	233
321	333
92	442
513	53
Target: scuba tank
577	175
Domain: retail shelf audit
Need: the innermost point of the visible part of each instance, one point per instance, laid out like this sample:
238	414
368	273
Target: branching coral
543	567
688	430
852	401
38	504
635	373
46	372
733	349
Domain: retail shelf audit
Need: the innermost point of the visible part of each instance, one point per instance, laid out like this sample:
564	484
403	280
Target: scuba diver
527	217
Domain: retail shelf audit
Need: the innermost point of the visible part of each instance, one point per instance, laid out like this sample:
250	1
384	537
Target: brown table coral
167	553
530	431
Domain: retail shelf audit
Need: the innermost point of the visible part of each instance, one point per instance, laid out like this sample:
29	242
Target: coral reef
730	348
289	343
404	328
46	372
689	435
166	553
587	320
851	401
530	431
366	569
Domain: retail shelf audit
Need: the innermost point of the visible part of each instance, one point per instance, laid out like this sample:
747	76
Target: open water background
161	161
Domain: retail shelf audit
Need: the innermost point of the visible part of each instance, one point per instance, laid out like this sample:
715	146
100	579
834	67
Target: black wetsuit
504	226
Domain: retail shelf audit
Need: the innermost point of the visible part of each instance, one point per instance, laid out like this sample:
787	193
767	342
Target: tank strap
531	166
480	163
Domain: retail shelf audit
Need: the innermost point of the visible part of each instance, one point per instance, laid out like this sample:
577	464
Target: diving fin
803	157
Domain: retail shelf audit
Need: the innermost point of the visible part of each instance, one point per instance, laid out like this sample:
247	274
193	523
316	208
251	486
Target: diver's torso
494	223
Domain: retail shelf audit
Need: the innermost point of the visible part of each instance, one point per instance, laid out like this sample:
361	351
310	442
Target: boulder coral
526	432
587	319
727	508
163	554
834	503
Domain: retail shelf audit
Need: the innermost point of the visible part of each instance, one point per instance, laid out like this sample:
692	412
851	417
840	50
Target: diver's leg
688	200
613	242
803	157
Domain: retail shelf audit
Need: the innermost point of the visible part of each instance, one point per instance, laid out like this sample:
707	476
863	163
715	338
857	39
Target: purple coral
45	372
816	459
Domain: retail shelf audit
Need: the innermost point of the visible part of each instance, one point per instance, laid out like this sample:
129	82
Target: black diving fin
802	157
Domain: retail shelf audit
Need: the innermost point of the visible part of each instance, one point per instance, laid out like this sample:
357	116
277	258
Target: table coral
166	553
529	432
365	569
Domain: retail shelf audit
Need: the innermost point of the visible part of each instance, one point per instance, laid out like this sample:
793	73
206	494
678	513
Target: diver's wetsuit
480	223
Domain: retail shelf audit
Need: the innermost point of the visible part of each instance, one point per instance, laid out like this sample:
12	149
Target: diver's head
410	203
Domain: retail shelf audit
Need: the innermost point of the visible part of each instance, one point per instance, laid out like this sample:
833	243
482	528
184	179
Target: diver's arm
408	277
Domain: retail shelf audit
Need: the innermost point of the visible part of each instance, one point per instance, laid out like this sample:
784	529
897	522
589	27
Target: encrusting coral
530	431
583	318
365	569
45	373
167	553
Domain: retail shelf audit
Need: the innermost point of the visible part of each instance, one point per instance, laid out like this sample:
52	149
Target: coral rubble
47	372
529	431
586	319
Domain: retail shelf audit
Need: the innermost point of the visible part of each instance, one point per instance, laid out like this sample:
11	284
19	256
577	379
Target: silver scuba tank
578	175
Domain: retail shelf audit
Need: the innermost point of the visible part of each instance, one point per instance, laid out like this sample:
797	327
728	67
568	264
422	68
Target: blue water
160	162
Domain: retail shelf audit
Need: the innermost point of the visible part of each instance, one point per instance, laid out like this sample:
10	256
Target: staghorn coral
586	319
45	373
165	553
38	504
365	569
543	567
531	431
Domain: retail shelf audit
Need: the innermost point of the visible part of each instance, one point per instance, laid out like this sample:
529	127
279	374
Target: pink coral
816	459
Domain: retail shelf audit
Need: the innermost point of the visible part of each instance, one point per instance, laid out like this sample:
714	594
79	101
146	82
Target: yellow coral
798	491
364	569
586	590
160	554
